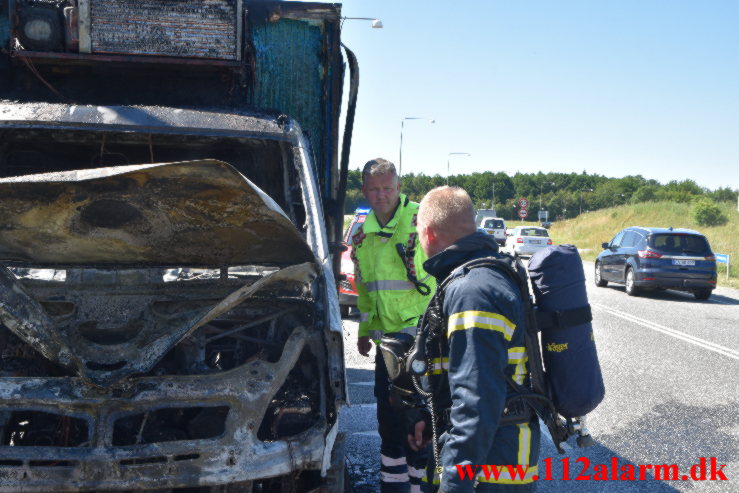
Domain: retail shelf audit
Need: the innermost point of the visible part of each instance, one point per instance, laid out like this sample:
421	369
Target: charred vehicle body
170	209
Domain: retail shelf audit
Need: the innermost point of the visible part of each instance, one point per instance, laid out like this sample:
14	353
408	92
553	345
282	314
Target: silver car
526	240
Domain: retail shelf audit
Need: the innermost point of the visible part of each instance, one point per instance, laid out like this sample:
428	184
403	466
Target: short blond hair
377	167
448	211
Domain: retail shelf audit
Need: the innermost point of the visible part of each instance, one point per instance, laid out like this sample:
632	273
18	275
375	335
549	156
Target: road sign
522	213
723	258
523	203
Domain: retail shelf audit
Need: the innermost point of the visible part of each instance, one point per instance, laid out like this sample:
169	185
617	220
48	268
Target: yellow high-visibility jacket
388	301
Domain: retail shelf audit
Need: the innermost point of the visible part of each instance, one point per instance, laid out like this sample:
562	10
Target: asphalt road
671	370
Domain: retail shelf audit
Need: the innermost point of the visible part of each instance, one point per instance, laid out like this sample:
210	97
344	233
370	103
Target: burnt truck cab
168	312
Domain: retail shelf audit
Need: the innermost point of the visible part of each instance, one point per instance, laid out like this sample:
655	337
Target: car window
642	243
629	239
494	224
616	241
679	243
533	232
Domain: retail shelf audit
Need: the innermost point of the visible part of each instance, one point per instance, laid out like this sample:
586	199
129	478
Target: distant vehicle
658	258
546	224
484	214
526	240
347	284
494	226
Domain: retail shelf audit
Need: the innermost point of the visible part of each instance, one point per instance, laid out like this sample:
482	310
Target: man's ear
431	235
434	240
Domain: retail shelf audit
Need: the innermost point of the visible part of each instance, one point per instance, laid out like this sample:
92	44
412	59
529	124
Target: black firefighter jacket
485	334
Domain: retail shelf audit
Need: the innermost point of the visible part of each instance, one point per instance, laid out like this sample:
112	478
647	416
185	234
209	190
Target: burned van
169	317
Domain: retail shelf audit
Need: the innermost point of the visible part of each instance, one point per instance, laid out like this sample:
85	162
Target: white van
494	226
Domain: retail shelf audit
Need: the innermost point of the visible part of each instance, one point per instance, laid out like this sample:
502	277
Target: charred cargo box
168	181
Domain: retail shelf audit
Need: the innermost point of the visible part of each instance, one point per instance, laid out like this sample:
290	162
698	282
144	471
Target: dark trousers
401	469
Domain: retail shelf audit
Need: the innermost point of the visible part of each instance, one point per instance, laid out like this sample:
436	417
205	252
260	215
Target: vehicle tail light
712	258
549	241
649	254
649	279
520	240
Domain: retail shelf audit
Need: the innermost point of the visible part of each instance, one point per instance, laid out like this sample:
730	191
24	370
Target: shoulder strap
515	271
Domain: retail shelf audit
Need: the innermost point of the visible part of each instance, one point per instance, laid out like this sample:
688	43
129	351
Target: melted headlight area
295	407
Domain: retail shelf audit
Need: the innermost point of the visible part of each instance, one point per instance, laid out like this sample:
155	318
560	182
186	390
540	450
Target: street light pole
581	191
447	162
402	124
541	190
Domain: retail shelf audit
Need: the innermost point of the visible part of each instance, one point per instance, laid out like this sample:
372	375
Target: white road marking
731	353
712	299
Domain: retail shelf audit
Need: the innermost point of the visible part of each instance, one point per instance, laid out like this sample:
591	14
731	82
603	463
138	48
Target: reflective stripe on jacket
387	300
484	345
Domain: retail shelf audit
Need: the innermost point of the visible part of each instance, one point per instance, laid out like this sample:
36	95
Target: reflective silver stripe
438	366
364	317
392	461
517	356
375	334
388	477
389	286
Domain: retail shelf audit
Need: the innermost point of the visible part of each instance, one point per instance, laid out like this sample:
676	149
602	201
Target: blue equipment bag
563	316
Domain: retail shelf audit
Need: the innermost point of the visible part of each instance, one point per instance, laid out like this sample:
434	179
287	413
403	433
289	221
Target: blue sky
614	87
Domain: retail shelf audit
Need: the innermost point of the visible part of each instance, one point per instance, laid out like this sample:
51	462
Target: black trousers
401	468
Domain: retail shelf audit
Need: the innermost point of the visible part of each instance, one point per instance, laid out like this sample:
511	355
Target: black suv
658	258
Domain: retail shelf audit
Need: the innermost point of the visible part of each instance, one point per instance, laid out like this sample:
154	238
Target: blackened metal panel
182	28
290	76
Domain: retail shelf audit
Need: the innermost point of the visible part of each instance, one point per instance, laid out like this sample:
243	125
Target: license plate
676	261
535	242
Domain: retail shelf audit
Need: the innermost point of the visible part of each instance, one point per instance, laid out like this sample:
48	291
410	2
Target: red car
347	286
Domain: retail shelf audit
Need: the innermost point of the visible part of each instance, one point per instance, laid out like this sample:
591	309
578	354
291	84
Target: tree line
564	195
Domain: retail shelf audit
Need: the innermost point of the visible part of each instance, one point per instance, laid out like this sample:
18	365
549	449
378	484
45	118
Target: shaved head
446	214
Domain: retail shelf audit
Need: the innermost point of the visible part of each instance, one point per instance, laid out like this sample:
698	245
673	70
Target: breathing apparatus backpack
566	382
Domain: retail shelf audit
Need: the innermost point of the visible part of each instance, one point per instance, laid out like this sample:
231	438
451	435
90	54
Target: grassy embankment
591	229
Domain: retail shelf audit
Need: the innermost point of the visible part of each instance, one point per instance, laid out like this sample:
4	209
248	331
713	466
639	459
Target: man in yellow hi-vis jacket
393	291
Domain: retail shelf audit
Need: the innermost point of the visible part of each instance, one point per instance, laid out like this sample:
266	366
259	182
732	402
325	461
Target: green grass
591	229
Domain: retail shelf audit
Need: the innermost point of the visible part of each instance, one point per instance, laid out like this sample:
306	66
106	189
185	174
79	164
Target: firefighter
393	291
478	347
